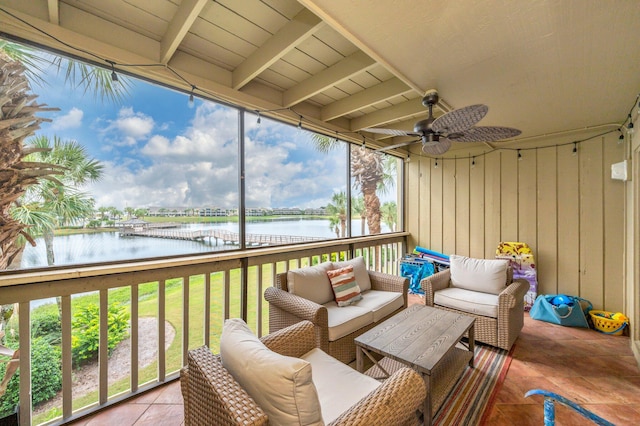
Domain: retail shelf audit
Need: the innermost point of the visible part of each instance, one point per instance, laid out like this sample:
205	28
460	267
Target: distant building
286	211
213	212
316	212
257	212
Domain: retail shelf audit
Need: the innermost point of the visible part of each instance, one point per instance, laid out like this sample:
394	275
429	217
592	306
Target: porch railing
188	298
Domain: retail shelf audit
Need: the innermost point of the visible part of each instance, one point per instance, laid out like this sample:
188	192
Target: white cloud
135	125
72	119
199	167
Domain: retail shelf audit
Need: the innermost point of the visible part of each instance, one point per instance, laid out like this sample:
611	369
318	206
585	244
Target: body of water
110	246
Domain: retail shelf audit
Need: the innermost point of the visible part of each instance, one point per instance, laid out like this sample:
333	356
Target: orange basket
603	322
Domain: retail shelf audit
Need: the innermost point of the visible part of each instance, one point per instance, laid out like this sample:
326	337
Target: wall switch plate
620	171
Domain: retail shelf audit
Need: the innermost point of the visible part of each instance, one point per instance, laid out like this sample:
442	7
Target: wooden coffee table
426	339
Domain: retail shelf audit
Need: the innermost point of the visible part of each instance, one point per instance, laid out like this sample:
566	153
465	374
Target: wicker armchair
286	309
212	396
500	332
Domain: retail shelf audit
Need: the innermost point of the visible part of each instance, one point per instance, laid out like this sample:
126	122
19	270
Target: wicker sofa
213	397
383	295
498	310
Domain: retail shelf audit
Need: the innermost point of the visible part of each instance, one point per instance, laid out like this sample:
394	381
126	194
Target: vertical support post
185	318
162	303
25	363
241	182
259	299
244	288
207	309
134	337
348	192
67	362
225	295
103	350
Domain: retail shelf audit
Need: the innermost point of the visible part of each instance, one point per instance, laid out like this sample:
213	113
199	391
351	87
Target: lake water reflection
109	246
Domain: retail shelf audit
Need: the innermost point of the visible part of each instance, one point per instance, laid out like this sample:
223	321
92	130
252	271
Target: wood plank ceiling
275	56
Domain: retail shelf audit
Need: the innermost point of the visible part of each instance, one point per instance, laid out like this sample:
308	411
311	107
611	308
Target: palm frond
34	63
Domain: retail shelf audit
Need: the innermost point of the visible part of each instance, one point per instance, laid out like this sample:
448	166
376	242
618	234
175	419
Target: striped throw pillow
344	285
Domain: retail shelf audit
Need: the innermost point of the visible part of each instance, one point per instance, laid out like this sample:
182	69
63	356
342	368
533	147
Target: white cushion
359	270
311	282
380	303
282	386
346	320
339	386
485	275
473	302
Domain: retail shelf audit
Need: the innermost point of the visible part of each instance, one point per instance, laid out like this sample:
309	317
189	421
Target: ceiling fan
436	134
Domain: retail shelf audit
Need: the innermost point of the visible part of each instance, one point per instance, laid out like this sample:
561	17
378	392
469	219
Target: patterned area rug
475	391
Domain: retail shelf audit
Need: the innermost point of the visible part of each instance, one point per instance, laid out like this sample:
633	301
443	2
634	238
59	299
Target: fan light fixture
459	125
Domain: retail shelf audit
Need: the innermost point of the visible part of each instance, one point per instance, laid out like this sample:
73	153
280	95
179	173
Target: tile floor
595	370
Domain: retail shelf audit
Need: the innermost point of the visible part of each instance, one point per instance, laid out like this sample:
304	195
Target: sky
159	151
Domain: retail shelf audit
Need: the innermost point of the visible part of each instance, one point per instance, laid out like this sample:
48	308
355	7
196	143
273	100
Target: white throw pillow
359	270
281	385
485	275
311	282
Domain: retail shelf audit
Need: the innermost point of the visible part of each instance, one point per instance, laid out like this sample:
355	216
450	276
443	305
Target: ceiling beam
346	68
184	18
383	116
378	93
54	11
303	25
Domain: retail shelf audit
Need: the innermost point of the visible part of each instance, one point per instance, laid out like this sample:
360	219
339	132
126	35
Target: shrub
45	323
85	335
46	376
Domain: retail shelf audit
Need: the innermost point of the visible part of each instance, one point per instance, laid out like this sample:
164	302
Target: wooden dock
219	235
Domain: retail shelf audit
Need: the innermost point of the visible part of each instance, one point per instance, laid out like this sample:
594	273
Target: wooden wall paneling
492	204
547	221
591	222
462	230
424	197
413	208
614	227
476	207
449	206
528	201
509	194
435	214
568	260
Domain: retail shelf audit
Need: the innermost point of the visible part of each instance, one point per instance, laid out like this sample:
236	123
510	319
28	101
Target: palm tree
130	211
389	212
371	171
58	199
338	211
81	76
357	209
141	212
103	212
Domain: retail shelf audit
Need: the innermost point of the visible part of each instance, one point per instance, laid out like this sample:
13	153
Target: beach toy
618	316
562	299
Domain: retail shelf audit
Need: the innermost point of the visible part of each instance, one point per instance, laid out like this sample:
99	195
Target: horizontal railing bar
66	287
11	278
